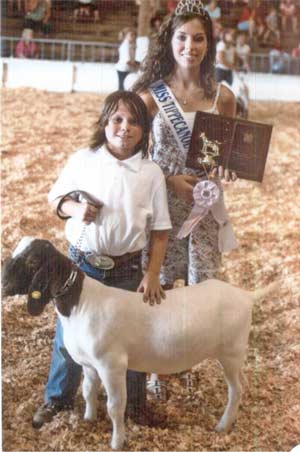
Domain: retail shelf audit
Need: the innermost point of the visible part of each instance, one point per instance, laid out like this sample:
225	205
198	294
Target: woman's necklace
184	97
185	100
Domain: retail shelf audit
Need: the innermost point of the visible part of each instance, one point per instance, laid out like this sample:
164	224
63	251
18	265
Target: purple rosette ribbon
206	193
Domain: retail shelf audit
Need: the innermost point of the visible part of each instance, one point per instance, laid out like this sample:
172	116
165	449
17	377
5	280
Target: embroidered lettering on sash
166	103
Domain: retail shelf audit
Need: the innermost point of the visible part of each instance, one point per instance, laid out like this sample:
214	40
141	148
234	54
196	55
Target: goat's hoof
90	418
222	427
117	445
219	428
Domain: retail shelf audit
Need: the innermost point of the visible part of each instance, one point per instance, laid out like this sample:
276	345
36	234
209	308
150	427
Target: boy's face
122	132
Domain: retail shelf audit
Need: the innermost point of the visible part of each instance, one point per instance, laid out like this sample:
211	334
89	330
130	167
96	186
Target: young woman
129	201
127	49
177	81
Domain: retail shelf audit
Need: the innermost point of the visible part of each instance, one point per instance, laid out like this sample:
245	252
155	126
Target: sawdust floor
40	130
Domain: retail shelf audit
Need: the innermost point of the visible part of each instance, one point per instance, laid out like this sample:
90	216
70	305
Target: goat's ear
39	291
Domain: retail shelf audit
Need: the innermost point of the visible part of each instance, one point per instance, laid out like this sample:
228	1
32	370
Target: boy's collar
133	163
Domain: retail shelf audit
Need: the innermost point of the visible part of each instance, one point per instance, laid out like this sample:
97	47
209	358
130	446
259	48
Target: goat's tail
264	291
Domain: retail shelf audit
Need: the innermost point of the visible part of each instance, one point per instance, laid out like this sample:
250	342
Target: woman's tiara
189	7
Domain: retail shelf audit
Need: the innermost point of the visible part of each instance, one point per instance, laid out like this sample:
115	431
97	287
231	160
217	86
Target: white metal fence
66	50
93	52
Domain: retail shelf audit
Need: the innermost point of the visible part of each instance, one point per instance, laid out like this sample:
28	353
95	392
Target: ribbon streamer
206	193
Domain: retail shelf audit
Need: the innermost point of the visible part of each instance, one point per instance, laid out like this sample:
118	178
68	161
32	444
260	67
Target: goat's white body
111	330
192	324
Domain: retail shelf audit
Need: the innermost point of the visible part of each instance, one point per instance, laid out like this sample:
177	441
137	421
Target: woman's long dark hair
159	62
137	108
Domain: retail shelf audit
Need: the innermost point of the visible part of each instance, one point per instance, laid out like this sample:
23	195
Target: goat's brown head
28	272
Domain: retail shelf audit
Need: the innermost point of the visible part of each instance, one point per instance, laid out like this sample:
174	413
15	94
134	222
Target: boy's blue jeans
65	374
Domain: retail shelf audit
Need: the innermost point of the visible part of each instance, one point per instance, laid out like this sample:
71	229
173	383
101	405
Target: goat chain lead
77	248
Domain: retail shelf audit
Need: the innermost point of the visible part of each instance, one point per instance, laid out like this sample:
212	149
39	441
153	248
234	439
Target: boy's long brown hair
159	62
137	108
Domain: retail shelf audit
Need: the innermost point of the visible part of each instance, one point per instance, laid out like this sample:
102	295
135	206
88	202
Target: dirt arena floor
40	130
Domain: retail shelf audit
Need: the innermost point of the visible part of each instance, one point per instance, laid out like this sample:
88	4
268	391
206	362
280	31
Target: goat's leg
114	382
232	370
90	391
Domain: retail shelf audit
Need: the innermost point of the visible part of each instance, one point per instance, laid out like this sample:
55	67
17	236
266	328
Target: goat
107	330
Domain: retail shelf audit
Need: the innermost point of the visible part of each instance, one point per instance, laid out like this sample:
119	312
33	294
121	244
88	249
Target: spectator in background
26	48
226	57
171	6
288	12
296	52
279	61
214	12
86	8
231	9
155	24
261	11
16	6
243	51
272	29
127	49
246	20
39	17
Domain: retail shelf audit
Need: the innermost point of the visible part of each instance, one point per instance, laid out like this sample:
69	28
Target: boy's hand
87	212
150	286
83	211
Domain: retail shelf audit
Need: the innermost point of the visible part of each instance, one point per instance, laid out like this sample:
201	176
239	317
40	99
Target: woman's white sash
167	104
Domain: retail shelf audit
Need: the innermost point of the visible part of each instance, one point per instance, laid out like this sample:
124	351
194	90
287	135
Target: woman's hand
182	185
150	286
225	174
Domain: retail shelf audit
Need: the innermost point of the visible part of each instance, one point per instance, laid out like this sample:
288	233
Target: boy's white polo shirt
133	193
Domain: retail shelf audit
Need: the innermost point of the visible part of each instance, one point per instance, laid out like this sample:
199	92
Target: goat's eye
32	263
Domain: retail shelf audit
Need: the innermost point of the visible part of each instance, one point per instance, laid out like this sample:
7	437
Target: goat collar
68	284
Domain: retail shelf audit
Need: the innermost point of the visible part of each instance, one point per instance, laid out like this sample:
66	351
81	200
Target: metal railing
260	62
86	51
66	50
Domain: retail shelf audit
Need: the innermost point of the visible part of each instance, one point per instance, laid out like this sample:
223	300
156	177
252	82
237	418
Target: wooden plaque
242	145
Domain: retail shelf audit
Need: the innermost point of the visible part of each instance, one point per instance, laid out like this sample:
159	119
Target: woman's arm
226	102
182	185
150	103
150	284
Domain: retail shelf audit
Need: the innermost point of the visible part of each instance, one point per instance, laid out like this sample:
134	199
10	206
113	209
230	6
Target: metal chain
76	250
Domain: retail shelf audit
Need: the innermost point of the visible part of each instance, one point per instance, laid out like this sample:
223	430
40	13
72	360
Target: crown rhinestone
189	7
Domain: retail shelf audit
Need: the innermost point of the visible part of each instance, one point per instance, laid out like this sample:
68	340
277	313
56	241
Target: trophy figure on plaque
233	143
210	149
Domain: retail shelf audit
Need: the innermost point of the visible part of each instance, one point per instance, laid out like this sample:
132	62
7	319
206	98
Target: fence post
69	51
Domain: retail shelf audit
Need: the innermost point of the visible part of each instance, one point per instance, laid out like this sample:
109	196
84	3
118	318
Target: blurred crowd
241	27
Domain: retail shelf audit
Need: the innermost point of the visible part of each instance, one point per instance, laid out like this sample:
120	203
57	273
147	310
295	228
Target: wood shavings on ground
40	131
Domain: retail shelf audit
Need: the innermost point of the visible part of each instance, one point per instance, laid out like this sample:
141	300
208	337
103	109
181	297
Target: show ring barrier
69	76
